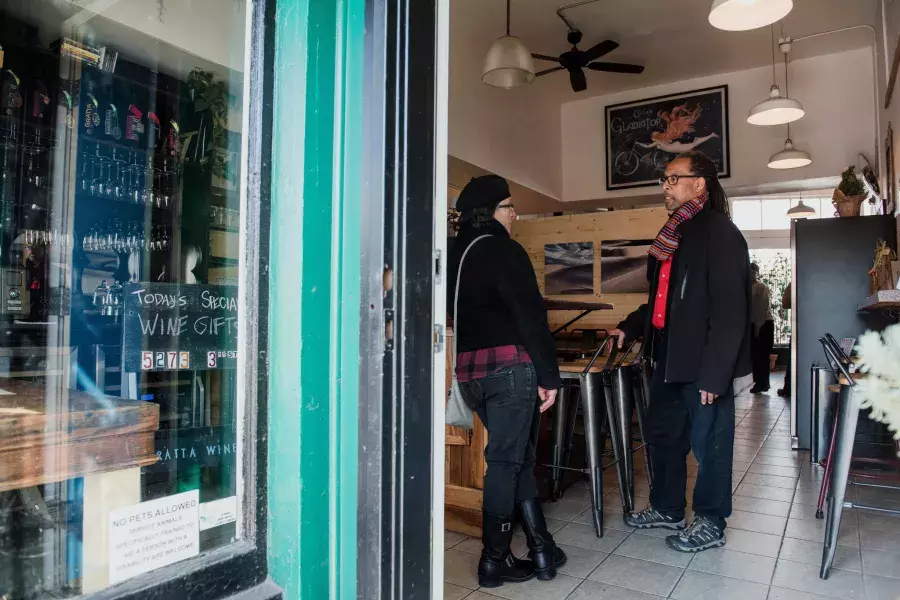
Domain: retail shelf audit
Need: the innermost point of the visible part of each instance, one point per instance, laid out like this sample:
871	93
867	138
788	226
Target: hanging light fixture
508	63
776	109
789	157
743	15
801	211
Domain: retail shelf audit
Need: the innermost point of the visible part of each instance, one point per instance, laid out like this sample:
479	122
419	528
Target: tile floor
774	542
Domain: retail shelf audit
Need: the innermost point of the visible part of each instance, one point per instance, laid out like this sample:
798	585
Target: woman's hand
548	398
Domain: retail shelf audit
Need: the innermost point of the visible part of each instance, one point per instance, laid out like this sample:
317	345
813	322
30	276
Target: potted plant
849	194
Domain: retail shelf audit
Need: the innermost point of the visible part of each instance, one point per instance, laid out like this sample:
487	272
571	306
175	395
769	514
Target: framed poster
643	136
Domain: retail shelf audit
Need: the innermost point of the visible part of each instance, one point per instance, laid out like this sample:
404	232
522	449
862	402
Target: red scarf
662	249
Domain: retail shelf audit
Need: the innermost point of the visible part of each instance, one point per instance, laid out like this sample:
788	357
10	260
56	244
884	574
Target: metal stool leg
571	418
591	391
614	440
640	406
847	416
560	412
624	400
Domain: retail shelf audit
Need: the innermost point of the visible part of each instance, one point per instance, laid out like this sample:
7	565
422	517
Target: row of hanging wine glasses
127	176
46	237
120	236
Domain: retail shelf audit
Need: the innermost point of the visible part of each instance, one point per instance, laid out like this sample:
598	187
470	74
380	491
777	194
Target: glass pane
746	214
774	213
120	153
775	272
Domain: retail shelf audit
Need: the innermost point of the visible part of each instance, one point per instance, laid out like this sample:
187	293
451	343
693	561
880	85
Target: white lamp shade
742	15
801	211
508	64
789	158
775	110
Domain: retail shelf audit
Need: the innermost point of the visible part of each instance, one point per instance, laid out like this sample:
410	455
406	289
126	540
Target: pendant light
801	211
776	109
789	157
743	15
508	63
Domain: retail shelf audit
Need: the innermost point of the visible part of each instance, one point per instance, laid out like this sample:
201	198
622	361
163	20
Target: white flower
879	357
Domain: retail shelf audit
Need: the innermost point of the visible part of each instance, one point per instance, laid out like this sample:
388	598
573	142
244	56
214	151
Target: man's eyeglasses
509	206
673	179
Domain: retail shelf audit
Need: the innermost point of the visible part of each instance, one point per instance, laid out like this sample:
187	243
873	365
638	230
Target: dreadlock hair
478	217
703	166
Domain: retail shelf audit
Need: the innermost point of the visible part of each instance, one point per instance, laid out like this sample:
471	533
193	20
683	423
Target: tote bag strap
456	294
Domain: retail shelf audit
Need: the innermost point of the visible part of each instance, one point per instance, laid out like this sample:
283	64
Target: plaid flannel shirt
477	364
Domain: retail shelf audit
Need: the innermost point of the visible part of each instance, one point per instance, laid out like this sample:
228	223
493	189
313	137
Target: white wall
514	133
837	92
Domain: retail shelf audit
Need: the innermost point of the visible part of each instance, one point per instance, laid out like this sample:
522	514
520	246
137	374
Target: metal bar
571	321
878	509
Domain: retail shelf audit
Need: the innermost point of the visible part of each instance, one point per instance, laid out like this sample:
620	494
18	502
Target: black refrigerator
831	260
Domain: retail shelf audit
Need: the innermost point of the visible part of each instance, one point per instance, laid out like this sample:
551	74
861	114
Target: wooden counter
68	433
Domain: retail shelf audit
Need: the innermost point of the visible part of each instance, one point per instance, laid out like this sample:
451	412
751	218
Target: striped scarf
666	242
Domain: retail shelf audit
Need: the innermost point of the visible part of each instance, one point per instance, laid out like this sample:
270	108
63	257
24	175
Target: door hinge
438	267
438	338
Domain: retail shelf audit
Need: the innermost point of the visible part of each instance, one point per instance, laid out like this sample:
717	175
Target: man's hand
707	397
548	398
618	333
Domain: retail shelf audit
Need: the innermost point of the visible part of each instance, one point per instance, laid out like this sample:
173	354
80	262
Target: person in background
785	392
696	332
763	332
507	373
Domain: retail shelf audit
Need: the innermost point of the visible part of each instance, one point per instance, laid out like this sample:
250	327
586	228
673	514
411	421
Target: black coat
499	300
708	314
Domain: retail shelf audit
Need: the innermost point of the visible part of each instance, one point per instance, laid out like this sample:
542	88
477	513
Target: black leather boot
498	565
543	551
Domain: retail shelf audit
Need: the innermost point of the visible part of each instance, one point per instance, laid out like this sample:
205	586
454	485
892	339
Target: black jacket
499	300
708	314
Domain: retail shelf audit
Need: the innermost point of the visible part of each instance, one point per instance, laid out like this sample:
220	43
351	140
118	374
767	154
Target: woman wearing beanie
507	372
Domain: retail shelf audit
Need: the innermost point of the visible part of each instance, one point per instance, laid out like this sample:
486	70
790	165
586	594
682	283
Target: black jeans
677	422
761	345
507	404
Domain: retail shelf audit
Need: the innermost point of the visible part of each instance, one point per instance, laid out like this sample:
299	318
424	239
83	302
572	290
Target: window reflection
120	137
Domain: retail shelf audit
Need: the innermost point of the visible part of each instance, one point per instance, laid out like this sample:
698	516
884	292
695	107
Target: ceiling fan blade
579	81
545	57
616	67
604	47
548	71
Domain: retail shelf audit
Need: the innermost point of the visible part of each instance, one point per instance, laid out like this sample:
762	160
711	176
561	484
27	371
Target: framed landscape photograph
623	266
644	135
569	268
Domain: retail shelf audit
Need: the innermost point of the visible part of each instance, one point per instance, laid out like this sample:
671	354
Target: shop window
120	226
770	213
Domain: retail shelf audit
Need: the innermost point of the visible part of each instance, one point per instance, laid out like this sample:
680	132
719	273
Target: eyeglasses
673	179
510	206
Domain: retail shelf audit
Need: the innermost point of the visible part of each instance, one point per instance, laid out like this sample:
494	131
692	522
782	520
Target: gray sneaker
701	534
650	518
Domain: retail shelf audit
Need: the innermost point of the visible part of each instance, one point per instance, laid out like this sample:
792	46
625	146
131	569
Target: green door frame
314	290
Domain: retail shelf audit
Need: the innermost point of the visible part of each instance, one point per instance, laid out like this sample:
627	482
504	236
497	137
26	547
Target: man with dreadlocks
696	335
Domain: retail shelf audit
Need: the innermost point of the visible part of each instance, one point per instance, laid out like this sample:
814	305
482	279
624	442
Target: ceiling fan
576	60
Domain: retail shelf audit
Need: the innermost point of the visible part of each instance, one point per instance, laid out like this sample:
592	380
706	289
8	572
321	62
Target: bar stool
597	408
625	382
840	456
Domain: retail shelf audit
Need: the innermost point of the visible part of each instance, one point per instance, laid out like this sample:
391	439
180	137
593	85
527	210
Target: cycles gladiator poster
642	137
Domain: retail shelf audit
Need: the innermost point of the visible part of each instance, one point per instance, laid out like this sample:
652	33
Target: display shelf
883	300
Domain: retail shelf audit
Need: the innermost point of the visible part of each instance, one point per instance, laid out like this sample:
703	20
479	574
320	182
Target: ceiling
671	38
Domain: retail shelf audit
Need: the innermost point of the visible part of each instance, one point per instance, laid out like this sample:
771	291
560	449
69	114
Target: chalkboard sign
175	327
642	137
